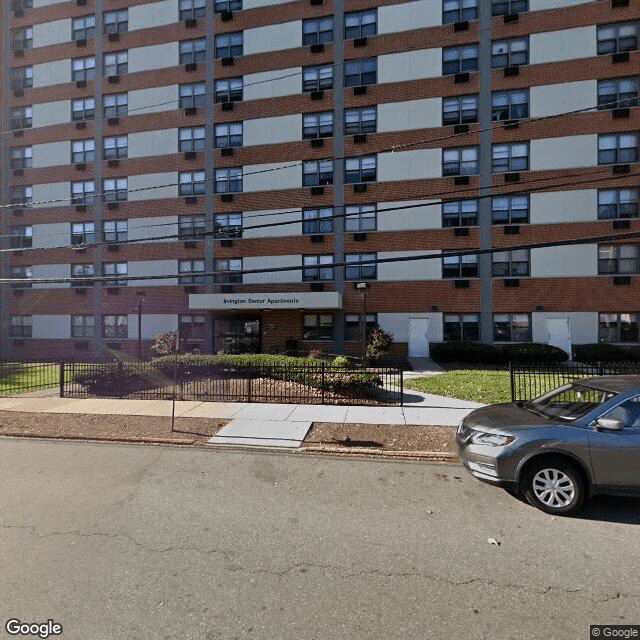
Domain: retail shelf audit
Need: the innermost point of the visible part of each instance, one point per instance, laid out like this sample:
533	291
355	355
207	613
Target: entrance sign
261	301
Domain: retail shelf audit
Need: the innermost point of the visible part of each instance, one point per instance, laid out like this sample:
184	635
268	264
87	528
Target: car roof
616	384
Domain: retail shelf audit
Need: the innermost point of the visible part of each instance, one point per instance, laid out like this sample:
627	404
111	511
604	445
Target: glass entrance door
236	334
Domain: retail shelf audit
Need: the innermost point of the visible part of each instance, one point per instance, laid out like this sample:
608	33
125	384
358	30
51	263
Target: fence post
513	383
61	379
401	387
322	383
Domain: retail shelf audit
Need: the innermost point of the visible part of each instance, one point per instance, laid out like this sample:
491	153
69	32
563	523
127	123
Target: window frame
361	120
115	326
456	266
619	253
86	112
192	51
119	25
83	27
83	196
119	192
115	147
317	220
622	98
228	271
360	24
21	326
317	30
460	59
509	109
517	261
228	180
191	10
83	233
458	12
120	106
466	331
314	127
228	134
317	78
456	105
116	269
508	7
460	166
631	204
361	266
192	98
228	229
191	183
361	169
315	269
84	272
616	320
85	328
504	158
460	213
513	55
316	172
497	205
610	45
230	93
192	139
361	72
120	232
618	153
510	319
191	275
119	66
321	329
21	236
229	45
365	217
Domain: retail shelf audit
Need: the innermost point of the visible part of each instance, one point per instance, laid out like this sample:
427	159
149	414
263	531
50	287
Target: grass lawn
17	378
478	385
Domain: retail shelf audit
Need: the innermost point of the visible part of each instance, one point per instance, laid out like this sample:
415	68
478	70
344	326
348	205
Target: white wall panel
416	164
397	324
51	271
51	235
564	153
416	14
565	262
273	37
144	268
153	14
166	183
412	114
272	130
45	3
270	262
554	99
152	324
252	4
153	143
54	32
51	154
50	73
271	84
538	5
259	219
426	216
409	65
153	100
51	327
563	206
46	114
52	194
272	177
567	44
429	269
583	326
157	56
144	228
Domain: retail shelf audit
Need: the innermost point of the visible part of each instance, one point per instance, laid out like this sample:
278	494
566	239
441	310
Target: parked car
560	449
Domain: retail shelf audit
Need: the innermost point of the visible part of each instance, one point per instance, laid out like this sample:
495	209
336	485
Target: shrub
466	351
379	343
602	352
164	343
533	352
340	362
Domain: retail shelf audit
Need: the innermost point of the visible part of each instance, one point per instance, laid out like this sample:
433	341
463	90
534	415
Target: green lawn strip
19	379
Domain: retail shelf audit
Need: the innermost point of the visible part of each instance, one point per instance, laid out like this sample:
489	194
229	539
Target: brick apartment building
269	174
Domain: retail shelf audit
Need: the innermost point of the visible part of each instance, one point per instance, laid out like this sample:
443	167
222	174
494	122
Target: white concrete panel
144	228
397	324
563	206
153	186
412	114
153	100
51	235
45	3
566	44
153	14
252	4
427	269
48	33
564	153
418	214
51	154
156	56
152	324
583	326
272	262
257	224
540	5
273	37
272	177
51	327
46	114
569	261
153	143
416	14
50	73
143	268
554	99
272	130
410	65
272	84
53	194
417	164
51	271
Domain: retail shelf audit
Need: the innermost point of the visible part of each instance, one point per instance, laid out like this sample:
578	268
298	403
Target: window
191	95
317	221
22	272
229	271
507	7
459	327
360	217
115	147
229	45
193	51
84	274
22	117
116	64
510	157
459	110
618	93
360	24
21	237
22	196
459	59
460	161
459	10
317	125
191	271
460	266
361	266
83	151
363	120
506	53
228	5
191	327
618	258
116	21
511	327
82	326
83	233
317	268
362	169
510	105
618	327
317	327
83	28
21	78
513	263
191	183
227	90
114	271
618	203
317	78
115	230
353	326
614	38
192	9
228	180
460	213
21	157
83	192
115	327
617	148
510	209
228	225
115	189
83	69
228	134
21	38
191	226
21	326
317	30
191	139
115	105
360	72
317	172
83	109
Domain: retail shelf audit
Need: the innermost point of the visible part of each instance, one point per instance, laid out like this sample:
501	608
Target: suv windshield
570	402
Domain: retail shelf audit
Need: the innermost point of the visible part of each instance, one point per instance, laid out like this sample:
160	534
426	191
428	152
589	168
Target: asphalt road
144	542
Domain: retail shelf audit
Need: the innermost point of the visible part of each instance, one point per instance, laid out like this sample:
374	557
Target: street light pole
362	288
140	296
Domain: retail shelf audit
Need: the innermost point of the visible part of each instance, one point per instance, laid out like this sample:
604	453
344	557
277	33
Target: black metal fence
282	383
22	377
530	380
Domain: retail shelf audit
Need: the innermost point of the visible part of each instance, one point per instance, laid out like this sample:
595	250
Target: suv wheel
553	485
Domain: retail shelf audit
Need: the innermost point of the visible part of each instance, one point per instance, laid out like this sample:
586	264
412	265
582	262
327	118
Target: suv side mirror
612	424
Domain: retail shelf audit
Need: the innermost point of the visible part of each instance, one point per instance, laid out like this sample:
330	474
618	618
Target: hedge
601	352
480	353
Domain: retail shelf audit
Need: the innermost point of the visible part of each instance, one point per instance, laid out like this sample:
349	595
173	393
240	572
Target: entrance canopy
261	301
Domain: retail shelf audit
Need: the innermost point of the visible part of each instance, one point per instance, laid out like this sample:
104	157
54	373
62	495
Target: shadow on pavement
612	509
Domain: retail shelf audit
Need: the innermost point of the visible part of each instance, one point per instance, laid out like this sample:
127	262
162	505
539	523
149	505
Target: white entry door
418	337
558	333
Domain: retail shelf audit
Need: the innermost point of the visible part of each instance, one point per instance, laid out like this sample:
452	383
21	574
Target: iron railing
22	377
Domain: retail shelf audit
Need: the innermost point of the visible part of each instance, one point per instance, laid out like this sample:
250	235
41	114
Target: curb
132	440
443	456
